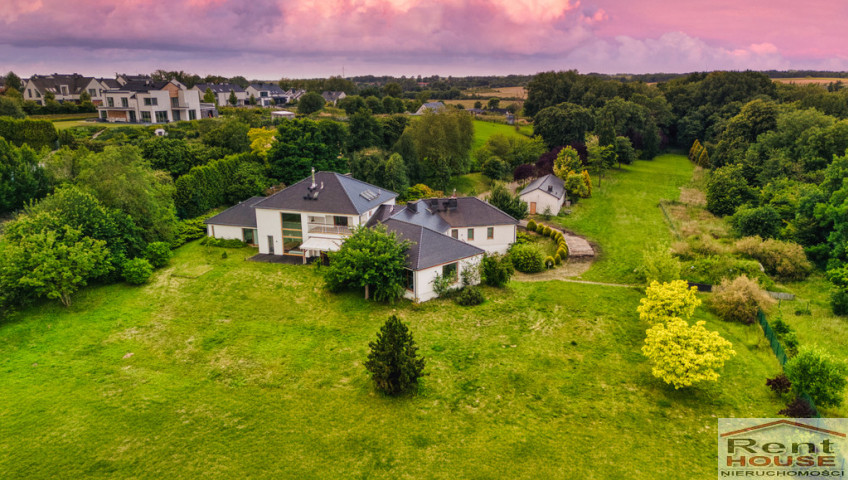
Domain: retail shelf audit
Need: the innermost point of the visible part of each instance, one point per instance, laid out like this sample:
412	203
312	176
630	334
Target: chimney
313	177
412	206
550	188
454	193
322	184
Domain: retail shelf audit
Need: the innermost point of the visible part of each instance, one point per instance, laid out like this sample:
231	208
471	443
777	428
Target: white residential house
333	97
316	215
544	194
266	94
65	87
153	102
435	107
222	93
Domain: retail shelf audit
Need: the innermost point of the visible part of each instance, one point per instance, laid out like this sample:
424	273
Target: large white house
148	101
317	214
543	194
222	92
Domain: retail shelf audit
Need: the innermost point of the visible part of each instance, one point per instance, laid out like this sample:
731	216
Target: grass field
470	103
623	215
65	124
470	184
505	92
810	80
483	130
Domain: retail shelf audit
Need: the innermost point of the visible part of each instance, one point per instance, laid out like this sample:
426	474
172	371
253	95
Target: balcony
328	229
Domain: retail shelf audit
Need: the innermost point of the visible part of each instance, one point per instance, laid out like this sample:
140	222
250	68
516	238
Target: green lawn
222	368
65	124
623	215
471	184
483	130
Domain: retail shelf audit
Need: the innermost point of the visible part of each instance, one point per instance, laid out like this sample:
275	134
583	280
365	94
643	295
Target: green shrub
496	270
553	234
546	231
470	296
549	262
713	269
839	302
562	252
444	286
784	260
659	265
522	238
527	258
137	271
740	299
761	221
393	361
158	254
557	259
222	242
818	375
531	226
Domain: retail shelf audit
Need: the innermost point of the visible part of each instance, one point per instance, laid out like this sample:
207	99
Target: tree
209	96
52	264
252	100
370	257
478	104
395	175
511	204
493	103
303	144
668	300
170	154
818	375
682	355
761	221
601	157
22	178
364	130
261	140
727	190
839	295
494	168
11	107
567	161
351	104
658	264
624	151
393	361
562	124
13	81
232	100
310	103
442	143
393	89
85	97
230	135
496	270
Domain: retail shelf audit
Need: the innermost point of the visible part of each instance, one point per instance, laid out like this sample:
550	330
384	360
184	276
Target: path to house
578	247
580	257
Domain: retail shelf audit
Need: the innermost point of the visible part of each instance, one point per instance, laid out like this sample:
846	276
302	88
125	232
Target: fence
780	353
669	220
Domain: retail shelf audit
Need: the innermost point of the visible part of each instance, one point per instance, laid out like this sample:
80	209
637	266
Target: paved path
578	247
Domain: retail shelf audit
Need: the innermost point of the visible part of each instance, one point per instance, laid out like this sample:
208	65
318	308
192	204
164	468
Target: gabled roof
420	213
469	212
109	82
431	106
219	87
144	85
270	87
332	96
430	248
334	193
75	82
241	215
550	184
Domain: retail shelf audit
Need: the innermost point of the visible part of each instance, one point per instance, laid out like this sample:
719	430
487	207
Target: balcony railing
329	229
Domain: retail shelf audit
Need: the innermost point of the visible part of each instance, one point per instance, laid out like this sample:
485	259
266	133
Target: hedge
35	133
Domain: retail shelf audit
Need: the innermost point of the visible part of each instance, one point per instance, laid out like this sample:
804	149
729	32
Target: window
449	270
125	102
176	114
455	233
192	115
161	117
470	234
103	114
145	117
64	89
151	101
175	102
263	94
292	233
248	235
408	279
110	101
340	221
490	233
37	94
92	92
29	92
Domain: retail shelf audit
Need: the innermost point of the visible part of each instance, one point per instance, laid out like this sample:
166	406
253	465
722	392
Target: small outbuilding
544	193
282	115
237	222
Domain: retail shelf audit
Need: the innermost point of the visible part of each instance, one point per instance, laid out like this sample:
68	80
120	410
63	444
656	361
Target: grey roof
51	83
109	82
336	193
468	212
144	85
271	87
420	213
241	215
550	184
430	248
331	96
219	87
432	106
383	213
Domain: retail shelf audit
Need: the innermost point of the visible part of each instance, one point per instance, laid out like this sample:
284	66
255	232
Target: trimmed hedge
221	242
527	258
550	262
531	226
35	133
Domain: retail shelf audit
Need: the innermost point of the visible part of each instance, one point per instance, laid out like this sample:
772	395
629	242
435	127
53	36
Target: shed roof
241	215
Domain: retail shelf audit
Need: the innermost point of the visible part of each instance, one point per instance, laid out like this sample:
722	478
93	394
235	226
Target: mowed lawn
483	130
623	216
223	368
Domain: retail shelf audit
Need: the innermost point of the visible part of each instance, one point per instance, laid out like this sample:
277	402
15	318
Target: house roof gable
340	195
557	187
241	215
430	248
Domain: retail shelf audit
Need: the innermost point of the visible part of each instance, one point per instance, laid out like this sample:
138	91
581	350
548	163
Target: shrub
531	226
818	375
839	302
557	259
444	285
779	384
546	231
549	262
714	269
699	246
158	254
393	362
665	301
521	238
527	258
562	253
761	221
740	299
470	296
137	271
682	355
222	242
790	344
659	265
496	270
553	234
785	260
798	408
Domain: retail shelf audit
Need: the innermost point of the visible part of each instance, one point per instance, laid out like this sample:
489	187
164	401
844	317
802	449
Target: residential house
123	78
237	222
267	94
222	93
333	97
435	107
65	88
544	194
295	94
153	102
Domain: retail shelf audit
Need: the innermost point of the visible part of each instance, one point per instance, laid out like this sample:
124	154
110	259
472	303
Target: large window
449	270
192	115
125	102
292	234
110	101
470	234
490	233
248	235
149	101
408	279
161	117
340	221
92	92
145	117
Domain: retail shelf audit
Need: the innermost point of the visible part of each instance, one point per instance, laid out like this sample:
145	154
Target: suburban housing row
316	215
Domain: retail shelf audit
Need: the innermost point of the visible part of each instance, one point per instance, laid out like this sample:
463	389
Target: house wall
504	236
543	200
270	223
424	279
32	93
225	232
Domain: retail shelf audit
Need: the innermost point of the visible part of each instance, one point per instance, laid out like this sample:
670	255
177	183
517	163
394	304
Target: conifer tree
393	362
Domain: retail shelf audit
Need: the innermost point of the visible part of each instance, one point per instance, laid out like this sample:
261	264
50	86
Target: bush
761	221
740	299
712	270
496	270
470	296
546	231
521	238
557	259
659	265
158	254
137	271
699	246
549	262
779	384
393	362
531	226
222	242
839	302
819	376
798	408
785	260
444	285
527	258
562	253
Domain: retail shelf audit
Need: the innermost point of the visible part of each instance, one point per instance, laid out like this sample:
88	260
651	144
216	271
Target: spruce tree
393	362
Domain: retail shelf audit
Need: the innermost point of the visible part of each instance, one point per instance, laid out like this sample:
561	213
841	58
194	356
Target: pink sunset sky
305	38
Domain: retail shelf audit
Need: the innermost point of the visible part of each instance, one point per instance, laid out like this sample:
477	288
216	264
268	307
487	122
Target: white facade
423	283
492	239
539	200
154	106
228	232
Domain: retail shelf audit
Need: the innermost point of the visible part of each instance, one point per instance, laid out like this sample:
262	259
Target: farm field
221	368
811	80
470	103
507	92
